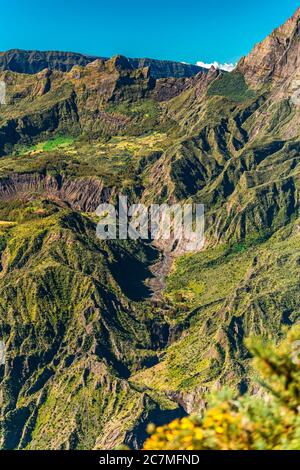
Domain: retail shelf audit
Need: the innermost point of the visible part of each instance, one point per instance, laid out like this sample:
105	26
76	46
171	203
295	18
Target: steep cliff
276	58
32	62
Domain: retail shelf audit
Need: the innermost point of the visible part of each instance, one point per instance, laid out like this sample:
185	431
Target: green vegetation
60	142
144	114
140	109
232	86
271	422
61	283
120	160
221	297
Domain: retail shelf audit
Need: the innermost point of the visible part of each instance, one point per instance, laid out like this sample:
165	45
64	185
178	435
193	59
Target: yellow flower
219	416
151	428
186	424
199	434
208	422
174	424
219	430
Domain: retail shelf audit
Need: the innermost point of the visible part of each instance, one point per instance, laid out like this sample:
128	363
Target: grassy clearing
60	142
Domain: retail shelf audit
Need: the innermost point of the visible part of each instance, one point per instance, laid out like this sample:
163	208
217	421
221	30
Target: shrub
271	422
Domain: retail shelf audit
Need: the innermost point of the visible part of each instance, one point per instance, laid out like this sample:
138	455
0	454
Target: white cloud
217	65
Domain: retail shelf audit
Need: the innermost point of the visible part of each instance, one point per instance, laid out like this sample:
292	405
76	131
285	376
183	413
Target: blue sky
183	30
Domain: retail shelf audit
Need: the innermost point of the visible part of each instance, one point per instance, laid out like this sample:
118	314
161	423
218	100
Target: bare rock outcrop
83	194
276	58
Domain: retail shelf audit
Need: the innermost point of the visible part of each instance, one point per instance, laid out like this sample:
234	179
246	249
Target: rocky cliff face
80	194
275	59
166	68
32	62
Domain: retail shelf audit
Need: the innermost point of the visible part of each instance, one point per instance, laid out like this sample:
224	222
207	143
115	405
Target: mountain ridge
22	61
